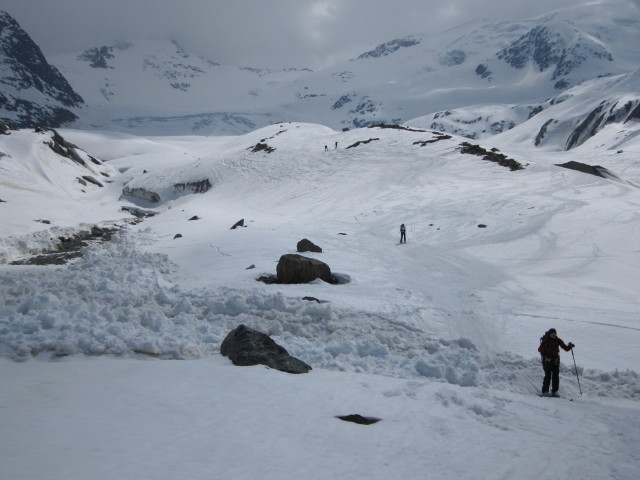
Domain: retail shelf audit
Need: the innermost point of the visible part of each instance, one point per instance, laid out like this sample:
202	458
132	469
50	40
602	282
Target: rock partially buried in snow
359	419
306	245
245	347
239	223
294	268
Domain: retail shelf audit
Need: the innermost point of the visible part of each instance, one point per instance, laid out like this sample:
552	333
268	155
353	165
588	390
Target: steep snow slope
44	178
563	122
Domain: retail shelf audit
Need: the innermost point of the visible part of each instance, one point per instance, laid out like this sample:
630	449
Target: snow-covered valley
111	363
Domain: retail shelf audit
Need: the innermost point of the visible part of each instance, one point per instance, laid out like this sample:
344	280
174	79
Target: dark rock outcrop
596	170
306	245
140	194
201	186
239	223
359	419
262	147
294	268
245	347
491	156
390	47
68	248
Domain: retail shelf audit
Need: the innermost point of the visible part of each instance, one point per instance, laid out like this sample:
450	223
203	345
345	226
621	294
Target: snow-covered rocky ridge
33	93
437	337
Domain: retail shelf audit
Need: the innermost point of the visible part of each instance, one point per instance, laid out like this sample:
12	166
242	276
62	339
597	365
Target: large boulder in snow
294	268
306	245
245	346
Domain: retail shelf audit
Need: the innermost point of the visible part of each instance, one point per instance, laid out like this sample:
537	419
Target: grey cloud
274	33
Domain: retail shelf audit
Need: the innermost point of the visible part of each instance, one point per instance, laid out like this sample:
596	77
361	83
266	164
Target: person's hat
552	330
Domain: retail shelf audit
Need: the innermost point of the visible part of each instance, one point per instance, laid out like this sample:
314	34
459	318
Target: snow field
111	362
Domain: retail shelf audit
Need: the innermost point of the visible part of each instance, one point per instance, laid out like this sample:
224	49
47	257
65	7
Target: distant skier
550	352
336	146
326	148
403	234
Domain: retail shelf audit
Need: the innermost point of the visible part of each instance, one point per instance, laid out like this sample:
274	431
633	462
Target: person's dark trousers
403	237
551	366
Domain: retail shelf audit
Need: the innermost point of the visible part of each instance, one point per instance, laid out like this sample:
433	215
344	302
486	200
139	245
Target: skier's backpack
543	340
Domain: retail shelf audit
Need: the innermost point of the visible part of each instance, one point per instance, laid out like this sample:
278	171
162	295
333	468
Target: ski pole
576	367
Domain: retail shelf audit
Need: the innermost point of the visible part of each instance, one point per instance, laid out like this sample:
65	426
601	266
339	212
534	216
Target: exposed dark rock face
483	71
4	128
201	186
147	196
343	100
424	143
262	147
390	47
601	116
359	419
596	170
68	248
546	48
306	245
87	179
29	76
543	131
138	212
294	268
394	126
362	142
141	194
239	223
97	57
491	156
66	149
245	347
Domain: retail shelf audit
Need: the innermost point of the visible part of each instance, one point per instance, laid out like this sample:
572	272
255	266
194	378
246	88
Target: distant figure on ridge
326	148
550	351
336	146
403	234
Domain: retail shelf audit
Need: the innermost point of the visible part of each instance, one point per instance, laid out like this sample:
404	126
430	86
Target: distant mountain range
557	80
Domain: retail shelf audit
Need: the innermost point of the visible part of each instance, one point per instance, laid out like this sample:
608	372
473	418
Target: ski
552	396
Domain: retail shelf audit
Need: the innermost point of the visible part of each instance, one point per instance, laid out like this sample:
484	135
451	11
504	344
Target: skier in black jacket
550	351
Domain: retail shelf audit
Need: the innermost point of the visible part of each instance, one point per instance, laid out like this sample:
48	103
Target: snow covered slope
563	122
48	188
437	337
494	252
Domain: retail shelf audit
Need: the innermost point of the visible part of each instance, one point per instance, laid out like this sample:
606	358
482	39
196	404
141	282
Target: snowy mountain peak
556	45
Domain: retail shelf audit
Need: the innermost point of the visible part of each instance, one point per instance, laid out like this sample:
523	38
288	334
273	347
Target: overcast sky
257	33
